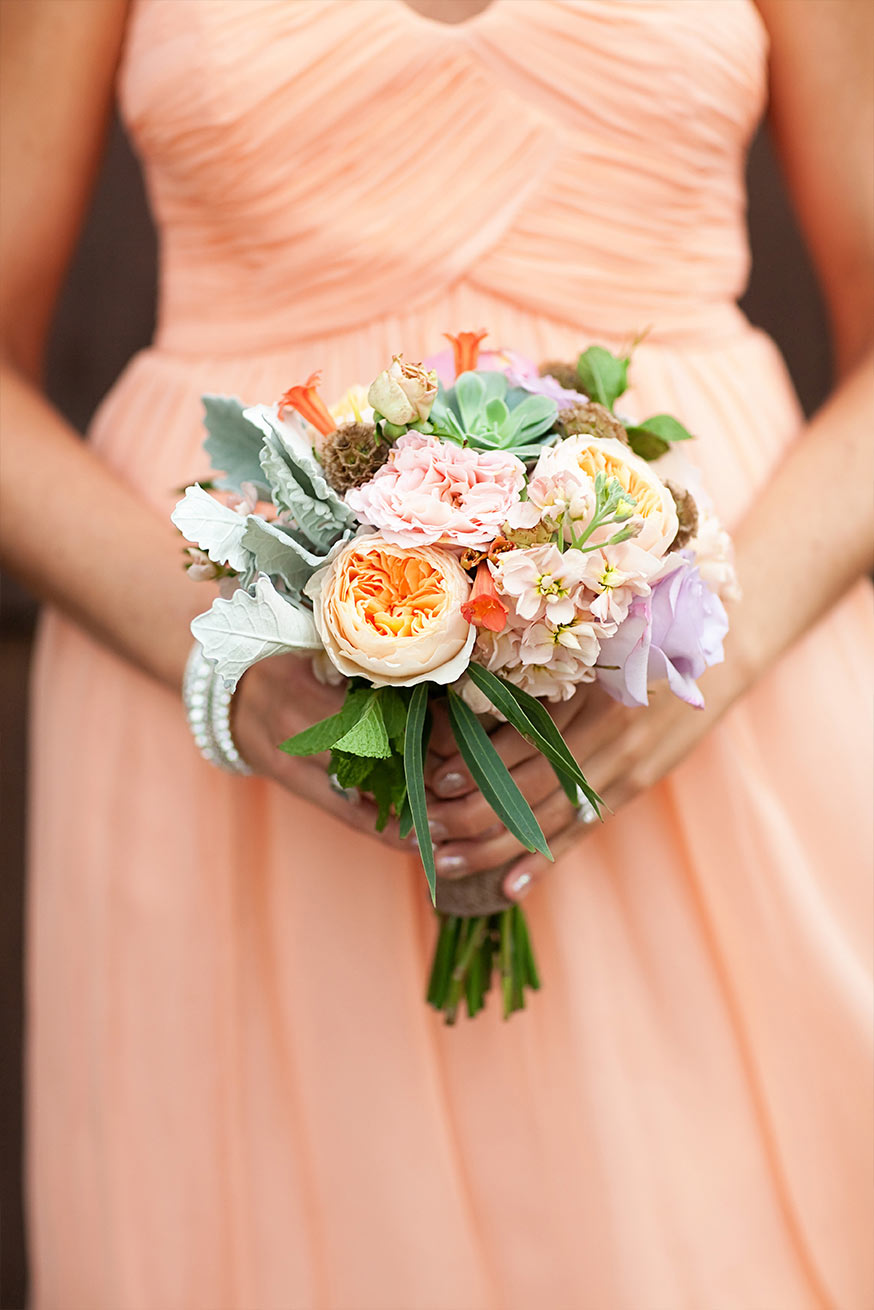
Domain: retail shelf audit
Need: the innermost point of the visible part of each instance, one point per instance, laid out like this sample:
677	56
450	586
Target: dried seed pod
687	515
590	419
352	454
566	375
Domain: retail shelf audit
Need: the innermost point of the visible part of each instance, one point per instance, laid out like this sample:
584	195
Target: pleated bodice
315	165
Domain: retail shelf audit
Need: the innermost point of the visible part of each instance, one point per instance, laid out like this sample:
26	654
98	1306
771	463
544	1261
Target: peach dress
238	1099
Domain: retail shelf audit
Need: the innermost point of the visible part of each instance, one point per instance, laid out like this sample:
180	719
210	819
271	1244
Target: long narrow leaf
536	725
414	770
493	778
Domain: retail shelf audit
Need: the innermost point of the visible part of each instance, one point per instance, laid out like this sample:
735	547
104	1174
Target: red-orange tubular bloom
484	607
309	404
466	349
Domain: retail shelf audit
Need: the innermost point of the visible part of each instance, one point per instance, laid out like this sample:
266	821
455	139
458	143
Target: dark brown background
106	313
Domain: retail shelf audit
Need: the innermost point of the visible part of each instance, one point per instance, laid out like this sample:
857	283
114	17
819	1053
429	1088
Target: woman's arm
71	529
76	533
813	527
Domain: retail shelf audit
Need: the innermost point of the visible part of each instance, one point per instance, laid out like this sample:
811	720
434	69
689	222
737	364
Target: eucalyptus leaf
212	527
237	633
233	443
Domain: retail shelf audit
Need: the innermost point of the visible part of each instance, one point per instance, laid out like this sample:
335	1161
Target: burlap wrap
479	893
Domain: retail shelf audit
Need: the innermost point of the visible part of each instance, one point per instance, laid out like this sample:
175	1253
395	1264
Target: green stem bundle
470	951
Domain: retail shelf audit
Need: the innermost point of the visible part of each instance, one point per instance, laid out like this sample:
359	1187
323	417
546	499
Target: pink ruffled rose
434	493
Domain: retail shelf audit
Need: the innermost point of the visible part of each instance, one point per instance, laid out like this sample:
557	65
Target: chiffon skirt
238	1098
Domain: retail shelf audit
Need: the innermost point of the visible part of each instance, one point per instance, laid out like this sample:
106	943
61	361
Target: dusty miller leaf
237	633
233	443
213	527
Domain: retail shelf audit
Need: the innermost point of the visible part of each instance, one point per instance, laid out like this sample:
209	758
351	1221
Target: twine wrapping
478	893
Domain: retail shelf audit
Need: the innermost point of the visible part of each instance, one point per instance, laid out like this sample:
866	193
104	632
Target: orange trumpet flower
484	608
466	349
309	404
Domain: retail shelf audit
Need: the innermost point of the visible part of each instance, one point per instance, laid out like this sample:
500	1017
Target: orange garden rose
392	614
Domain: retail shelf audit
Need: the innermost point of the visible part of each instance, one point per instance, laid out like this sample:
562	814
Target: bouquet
476	530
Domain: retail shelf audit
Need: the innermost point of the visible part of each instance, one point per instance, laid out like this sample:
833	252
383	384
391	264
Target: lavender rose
675	633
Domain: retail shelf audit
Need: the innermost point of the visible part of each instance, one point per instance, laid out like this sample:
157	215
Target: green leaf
414	770
536	726
653	438
394	712
350	770
544	722
405	818
604	377
368	736
493	778
233	443
322	735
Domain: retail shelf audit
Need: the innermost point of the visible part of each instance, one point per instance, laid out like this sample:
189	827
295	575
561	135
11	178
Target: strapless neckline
471	23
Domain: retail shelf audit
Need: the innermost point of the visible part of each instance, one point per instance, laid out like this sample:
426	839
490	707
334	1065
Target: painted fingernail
451	864
450	783
438	830
517	886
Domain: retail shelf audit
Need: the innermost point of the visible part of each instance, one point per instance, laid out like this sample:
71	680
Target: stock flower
433	492
403	393
616	574
586	455
307	402
548	666
484	608
393	615
543	581
714	555
675	633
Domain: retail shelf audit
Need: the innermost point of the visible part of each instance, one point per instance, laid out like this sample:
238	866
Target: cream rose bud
403	393
392	614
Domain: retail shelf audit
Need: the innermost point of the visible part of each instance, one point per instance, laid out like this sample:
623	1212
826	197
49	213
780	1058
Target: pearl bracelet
208	707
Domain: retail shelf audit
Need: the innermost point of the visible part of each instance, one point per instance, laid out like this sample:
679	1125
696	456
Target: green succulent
482	410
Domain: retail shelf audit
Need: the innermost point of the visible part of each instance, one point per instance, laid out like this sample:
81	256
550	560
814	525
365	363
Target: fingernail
449	864
438	830
517	886
450	783
413	840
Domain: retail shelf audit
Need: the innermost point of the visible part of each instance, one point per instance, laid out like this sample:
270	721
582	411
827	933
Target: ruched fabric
238	1100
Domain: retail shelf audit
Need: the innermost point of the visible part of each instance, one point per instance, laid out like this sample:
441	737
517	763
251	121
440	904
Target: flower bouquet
478	530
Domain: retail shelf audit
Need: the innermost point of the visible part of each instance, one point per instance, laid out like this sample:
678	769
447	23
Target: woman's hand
621	751
276	699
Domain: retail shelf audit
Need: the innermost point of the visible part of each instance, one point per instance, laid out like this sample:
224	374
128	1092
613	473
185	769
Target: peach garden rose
582	458
392	614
